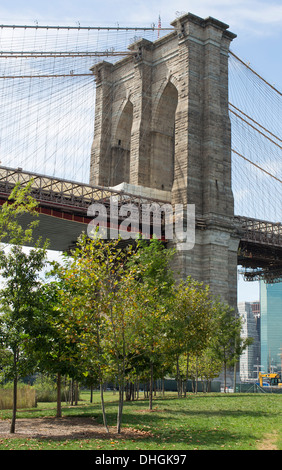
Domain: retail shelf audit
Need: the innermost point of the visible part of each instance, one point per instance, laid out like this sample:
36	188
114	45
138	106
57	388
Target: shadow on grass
169	425
165	427
136	411
157	438
158	433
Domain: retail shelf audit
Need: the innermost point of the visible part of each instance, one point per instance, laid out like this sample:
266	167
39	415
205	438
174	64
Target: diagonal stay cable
253	120
257	166
252	70
253	127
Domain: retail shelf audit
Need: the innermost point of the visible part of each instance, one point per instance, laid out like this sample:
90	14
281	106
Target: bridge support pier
162	122
213	261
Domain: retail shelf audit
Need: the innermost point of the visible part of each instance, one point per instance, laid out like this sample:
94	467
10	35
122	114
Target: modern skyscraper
250	359
271	326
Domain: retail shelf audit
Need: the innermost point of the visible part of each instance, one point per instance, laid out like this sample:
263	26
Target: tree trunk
178	378
234	377
186	379
15	396
196	384
71	392
59	404
103	407
120	407
76	393
151	388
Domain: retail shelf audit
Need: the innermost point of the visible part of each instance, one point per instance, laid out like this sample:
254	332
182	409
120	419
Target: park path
269	442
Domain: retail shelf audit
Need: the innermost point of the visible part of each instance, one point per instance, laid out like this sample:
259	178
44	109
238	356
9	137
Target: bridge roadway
63	207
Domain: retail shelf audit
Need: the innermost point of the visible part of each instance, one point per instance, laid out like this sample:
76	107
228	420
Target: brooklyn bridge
143	116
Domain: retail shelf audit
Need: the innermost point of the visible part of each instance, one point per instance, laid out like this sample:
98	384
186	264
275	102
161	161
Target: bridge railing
62	193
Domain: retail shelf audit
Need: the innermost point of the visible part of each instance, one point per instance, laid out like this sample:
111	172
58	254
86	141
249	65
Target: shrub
46	390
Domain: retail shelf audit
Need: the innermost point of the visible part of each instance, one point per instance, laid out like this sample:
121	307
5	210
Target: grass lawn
199	422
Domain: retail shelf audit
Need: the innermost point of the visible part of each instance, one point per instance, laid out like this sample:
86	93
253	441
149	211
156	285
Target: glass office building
271	326
250	357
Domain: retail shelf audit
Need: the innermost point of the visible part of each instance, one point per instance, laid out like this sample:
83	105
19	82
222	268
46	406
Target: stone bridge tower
162	127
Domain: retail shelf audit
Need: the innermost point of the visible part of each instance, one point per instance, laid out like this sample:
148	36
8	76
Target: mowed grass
198	422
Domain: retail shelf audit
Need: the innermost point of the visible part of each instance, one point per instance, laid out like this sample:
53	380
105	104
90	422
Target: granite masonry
162	127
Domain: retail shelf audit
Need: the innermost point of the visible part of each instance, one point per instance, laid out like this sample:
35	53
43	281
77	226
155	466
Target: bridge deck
62	192
260	249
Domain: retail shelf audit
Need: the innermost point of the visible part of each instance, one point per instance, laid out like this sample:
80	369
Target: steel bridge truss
260	248
64	193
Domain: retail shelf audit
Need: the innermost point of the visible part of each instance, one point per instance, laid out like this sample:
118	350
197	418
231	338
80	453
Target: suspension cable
257	166
252	70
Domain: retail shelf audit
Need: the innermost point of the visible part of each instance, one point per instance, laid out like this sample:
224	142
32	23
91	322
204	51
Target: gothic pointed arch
163	139
120	168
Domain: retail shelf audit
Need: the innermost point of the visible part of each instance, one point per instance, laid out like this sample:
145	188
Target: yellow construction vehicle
273	380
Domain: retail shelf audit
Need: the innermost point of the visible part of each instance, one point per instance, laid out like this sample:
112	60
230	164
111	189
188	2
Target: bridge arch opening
163	139
120	168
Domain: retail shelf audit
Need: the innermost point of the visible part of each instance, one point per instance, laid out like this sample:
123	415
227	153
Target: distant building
250	359
271	326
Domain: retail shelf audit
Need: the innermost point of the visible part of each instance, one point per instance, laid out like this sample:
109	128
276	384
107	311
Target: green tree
191	324
210	365
21	273
49	344
228	344
115	305
203	366
20	303
14	211
89	301
153	302
121	325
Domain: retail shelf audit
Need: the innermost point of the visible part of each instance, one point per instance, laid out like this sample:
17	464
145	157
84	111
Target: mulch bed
65	428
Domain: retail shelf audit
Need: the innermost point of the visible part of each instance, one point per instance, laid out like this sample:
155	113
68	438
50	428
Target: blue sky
257	23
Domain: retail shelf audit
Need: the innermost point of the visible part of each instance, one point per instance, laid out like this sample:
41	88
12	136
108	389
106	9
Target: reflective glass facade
250	358
271	326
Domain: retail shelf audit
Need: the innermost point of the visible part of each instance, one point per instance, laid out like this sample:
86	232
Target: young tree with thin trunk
228	344
153	300
20	302
20	270
49	344
191	325
91	299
